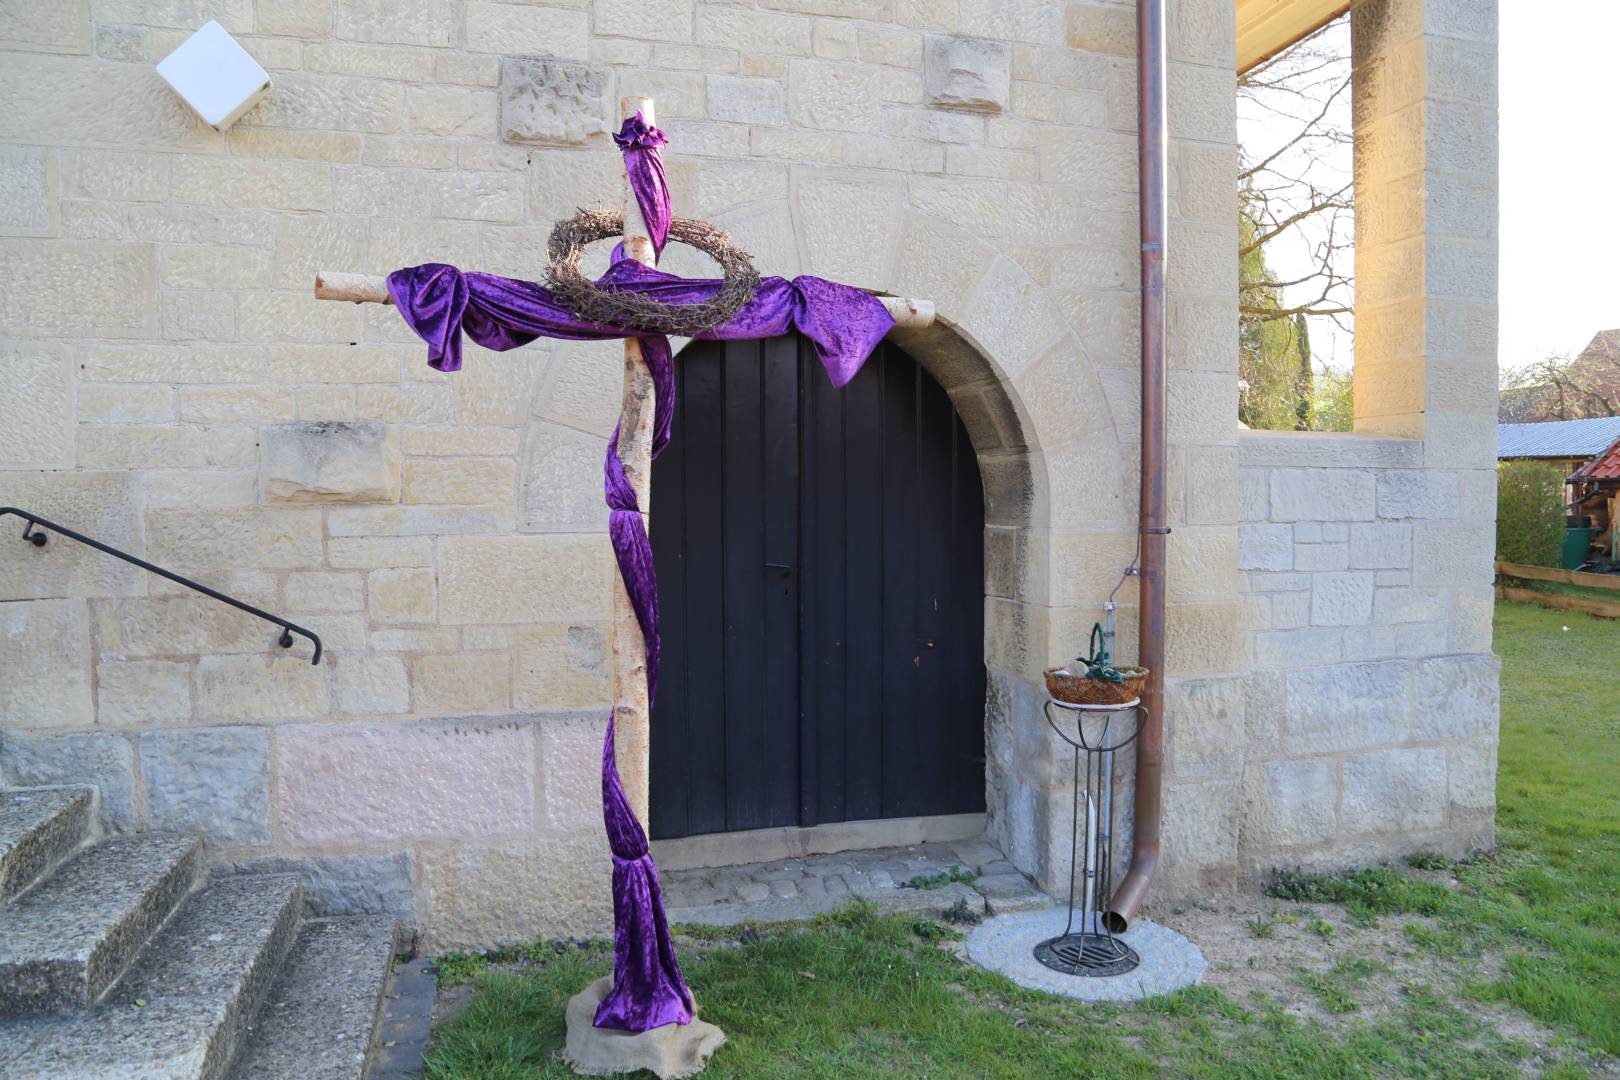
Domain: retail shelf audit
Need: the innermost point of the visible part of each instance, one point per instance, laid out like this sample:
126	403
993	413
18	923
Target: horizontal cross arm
372	289
359	288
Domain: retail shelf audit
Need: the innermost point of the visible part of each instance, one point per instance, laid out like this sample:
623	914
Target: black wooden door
820	574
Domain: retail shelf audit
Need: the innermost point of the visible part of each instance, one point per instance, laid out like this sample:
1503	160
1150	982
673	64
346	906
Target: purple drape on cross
844	324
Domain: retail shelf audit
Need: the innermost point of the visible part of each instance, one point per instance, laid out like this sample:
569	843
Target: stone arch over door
1039	408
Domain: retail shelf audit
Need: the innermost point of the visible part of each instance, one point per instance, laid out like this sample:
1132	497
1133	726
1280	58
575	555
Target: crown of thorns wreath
591	303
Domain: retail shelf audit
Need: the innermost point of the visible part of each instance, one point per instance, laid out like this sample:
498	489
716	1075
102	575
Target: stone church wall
173	389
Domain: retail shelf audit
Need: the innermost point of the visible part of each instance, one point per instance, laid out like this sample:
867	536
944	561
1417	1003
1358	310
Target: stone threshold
713	850
913	879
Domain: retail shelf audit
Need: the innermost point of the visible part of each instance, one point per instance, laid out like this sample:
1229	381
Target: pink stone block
355	785
571	774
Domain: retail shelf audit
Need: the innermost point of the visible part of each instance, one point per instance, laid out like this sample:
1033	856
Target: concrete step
321	1015
1010	893
39	827
67	940
182	1012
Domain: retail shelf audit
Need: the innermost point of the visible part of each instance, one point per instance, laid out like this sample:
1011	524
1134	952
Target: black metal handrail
37	538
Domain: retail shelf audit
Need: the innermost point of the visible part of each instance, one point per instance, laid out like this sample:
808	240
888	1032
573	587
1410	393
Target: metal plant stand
1096	732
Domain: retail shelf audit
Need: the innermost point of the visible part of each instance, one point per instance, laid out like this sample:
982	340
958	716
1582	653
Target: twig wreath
580	295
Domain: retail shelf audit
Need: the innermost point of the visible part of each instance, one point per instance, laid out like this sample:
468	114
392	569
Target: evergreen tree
1279	386
1305	390
1268	349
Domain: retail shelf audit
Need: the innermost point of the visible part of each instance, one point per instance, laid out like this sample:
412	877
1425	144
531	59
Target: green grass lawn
1552	893
859	995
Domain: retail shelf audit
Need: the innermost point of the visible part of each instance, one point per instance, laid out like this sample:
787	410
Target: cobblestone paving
799	888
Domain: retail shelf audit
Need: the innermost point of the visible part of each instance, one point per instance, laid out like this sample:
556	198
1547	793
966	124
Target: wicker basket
1078	688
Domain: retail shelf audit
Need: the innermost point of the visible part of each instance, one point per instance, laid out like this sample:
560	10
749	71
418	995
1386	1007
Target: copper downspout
1153	147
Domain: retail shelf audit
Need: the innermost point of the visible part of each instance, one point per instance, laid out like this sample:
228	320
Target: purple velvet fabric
441	303
644	164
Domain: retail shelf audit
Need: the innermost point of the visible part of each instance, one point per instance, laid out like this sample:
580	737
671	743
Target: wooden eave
1266	27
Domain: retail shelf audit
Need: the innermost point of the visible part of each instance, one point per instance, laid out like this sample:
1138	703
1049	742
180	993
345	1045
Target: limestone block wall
1370	715
172	388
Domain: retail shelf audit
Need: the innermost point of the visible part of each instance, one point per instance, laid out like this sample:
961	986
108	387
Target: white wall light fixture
215	76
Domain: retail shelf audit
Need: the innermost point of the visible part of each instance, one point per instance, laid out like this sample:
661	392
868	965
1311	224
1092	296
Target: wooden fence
1603	608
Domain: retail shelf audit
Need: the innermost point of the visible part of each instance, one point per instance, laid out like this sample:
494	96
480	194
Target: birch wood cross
441	304
632	709
635	451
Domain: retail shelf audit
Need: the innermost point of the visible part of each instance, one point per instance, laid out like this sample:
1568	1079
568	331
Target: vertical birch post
632	742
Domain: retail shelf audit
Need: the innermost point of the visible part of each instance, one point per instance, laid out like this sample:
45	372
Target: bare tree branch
1561	388
1310	130
1269	313
1335	201
1296	203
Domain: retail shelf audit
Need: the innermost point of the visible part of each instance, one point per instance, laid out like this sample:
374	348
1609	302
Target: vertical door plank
967	778
669	776
823	583
934	593
810	615
778	719
741	501
902	658
864	558
702	410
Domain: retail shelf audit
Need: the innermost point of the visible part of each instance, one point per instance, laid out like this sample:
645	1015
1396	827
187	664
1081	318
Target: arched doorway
820	565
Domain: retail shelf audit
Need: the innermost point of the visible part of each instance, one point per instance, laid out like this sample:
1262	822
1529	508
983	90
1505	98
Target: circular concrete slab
1006	944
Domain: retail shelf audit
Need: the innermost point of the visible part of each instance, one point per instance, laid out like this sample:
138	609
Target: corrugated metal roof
1557	438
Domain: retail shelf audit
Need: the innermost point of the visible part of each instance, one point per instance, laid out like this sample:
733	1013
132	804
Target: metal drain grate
1089	955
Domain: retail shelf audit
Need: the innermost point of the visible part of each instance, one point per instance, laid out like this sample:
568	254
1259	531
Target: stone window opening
1365	553
1296	235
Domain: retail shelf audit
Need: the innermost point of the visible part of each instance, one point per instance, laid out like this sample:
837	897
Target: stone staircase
120	959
